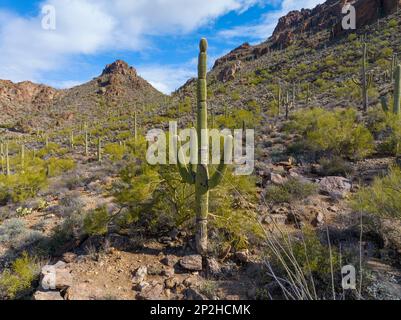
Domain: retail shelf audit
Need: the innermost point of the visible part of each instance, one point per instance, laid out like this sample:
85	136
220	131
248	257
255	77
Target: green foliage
22	186
335	166
56	166
291	190
383	198
336	132
17	281
96	222
115	151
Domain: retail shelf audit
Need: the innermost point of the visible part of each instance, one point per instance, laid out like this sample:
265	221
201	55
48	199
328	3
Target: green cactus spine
199	174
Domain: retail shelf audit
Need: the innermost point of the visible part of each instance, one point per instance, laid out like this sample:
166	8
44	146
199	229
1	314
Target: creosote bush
291	190
383	198
17	281
334	132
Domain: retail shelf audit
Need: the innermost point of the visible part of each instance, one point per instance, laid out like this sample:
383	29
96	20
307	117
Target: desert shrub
335	166
22	186
15	232
336	132
17	281
115	151
53	149
383	198
291	190
387	128
71	203
96	222
56	167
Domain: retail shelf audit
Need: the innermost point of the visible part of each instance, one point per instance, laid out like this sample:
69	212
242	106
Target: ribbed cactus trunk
279	101
365	96
202	174
72	140
86	142
2	158
8	171
199	174
397	90
99	149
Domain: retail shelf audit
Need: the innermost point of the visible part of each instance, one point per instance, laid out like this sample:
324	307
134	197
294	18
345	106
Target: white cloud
86	27
265	28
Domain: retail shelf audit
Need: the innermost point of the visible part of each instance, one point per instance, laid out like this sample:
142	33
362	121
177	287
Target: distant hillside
25	106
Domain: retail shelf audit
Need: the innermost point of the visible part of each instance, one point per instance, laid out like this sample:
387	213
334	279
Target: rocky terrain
108	226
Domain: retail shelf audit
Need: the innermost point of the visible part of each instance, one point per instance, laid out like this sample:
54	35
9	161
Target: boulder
55	277
192	263
213	268
140	275
335	187
242	256
277	179
47	296
153	291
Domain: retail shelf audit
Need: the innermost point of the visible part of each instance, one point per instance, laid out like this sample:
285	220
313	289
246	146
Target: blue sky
158	37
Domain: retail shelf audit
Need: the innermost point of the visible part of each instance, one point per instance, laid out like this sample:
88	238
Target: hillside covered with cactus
79	198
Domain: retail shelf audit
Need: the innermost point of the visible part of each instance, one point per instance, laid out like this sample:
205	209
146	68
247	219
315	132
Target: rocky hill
26	106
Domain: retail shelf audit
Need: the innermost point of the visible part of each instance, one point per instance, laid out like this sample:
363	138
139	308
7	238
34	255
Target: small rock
189	282
192	263
319	219
169	261
47	296
213	268
140	274
277	179
153	291
168	272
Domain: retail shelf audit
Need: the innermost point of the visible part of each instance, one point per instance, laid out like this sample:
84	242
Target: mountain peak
119	67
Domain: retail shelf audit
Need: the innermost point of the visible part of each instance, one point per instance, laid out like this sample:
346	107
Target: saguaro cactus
397	93
2	158
366	79
8	171
99	149
22	156
199	174
72	139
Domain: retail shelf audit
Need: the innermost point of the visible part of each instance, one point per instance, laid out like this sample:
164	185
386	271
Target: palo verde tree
199	174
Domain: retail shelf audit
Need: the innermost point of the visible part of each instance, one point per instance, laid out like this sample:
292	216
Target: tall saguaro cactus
199	174
397	93
366	79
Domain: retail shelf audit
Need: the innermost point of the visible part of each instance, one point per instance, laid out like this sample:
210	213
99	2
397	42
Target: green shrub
335	166
17	281
291	190
96	222
115	151
22	186
383	198
335	132
57	167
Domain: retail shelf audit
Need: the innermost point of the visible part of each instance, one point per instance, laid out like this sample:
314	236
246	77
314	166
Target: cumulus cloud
87	27
265	28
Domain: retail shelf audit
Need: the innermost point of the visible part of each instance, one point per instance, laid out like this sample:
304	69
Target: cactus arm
186	174
218	175
397	90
